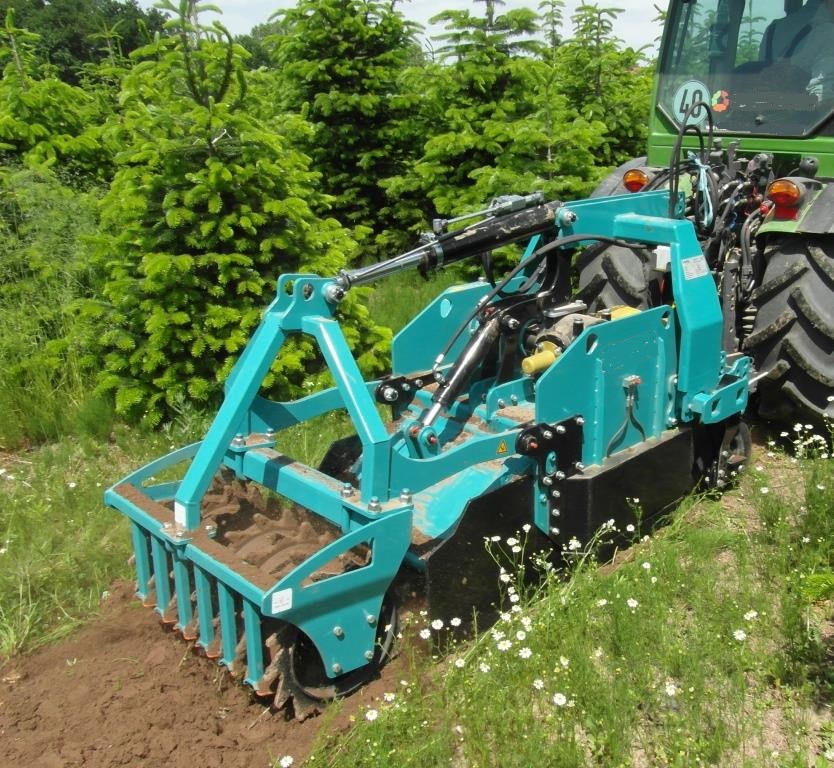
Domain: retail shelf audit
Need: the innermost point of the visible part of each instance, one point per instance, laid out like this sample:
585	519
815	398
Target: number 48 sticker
691	92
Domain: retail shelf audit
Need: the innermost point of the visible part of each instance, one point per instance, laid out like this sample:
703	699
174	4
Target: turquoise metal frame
629	380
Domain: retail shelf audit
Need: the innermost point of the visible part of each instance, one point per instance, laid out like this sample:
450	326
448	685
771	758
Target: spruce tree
45	122
208	205
341	64
606	82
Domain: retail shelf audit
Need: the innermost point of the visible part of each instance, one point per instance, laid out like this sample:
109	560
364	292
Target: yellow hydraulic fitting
618	313
542	360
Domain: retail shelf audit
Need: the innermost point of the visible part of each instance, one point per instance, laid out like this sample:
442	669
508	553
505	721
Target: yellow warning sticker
502	447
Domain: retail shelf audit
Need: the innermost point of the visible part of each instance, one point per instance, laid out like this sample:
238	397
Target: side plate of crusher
535	413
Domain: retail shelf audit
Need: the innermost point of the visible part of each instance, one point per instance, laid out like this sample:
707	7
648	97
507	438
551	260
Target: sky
635	23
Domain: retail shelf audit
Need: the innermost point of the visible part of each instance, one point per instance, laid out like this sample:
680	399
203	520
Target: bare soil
125	691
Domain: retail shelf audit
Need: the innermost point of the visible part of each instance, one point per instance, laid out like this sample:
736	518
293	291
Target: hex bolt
560	429
371	620
542	498
672	422
514	399
338	631
556	494
547	480
369	655
389	394
555	512
418	383
555	531
210	529
239	441
579	420
374	505
336	669
579	466
405	496
502	404
560	475
347	490
547	434
270	433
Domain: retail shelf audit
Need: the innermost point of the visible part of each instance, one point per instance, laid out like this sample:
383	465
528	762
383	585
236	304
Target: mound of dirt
123	691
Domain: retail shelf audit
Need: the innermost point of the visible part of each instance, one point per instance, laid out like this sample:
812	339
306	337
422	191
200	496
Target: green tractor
743	124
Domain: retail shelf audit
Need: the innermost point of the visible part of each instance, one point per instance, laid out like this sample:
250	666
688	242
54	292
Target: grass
45	392
698	648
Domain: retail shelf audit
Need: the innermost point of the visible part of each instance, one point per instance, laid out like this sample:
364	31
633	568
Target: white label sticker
179	514
695	267
281	601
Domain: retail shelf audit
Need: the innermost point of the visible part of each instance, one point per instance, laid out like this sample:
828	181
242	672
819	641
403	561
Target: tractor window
757	63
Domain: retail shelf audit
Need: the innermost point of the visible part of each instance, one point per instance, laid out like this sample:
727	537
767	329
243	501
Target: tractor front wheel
793	334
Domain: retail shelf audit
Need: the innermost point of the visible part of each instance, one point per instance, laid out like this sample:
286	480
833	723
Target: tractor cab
764	67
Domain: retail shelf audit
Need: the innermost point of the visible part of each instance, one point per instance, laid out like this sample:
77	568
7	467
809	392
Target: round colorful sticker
689	93
720	101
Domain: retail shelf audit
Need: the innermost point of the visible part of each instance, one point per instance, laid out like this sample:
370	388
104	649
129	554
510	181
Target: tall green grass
44	389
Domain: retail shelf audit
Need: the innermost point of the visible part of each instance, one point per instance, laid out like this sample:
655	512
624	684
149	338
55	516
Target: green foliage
44	267
605	82
207	207
341	62
44	121
499	118
73	33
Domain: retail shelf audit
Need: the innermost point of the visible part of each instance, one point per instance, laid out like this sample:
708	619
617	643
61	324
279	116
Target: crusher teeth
261	531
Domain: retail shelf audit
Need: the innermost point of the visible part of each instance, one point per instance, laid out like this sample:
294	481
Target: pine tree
481	93
45	122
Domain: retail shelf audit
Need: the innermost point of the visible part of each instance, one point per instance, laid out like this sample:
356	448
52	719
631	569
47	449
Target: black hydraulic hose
745	241
533	258
674	164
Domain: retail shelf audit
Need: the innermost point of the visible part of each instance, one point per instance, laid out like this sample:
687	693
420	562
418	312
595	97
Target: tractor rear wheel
793	334
613	275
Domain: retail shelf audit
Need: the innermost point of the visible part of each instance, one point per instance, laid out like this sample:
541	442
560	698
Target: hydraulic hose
489	330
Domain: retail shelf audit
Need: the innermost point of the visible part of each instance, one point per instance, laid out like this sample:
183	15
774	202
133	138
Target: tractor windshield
765	67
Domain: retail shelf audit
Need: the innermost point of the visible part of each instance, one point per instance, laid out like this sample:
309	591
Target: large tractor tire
612	276
793	334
